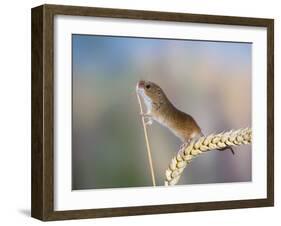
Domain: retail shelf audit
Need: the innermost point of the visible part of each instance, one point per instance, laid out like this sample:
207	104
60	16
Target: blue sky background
94	52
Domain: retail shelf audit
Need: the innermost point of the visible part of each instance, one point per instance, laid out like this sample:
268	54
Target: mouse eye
147	86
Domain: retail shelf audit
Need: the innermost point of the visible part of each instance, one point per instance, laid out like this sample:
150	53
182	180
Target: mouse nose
141	84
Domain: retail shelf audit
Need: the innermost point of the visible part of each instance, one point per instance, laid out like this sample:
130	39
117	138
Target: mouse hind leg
193	137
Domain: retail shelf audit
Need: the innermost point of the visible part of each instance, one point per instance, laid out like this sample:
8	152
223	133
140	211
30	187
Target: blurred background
209	80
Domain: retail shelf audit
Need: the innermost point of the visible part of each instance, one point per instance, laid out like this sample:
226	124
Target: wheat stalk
204	144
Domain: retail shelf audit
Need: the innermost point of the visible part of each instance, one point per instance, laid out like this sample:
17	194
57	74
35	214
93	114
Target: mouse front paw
145	115
148	121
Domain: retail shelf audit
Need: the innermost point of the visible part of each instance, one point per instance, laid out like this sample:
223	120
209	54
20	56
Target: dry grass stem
204	144
147	143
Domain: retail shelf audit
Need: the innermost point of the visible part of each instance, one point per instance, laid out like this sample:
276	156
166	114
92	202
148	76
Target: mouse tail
227	148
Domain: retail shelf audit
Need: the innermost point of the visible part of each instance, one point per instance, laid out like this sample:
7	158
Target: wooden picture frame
42	205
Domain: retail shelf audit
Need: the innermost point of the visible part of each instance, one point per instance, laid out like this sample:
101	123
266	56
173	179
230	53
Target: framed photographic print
141	112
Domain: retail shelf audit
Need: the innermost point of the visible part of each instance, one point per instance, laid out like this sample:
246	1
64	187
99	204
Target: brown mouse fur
160	109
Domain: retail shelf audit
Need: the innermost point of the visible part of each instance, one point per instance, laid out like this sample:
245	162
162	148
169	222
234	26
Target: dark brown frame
42	203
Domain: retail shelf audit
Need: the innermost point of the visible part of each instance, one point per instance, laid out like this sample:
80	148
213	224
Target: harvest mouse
160	109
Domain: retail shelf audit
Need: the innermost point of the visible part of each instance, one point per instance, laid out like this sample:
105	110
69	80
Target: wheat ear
147	143
204	144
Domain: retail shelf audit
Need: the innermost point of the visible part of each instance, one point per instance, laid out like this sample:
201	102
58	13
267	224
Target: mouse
160	109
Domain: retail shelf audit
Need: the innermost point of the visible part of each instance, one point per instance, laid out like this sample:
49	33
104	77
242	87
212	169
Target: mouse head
150	91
